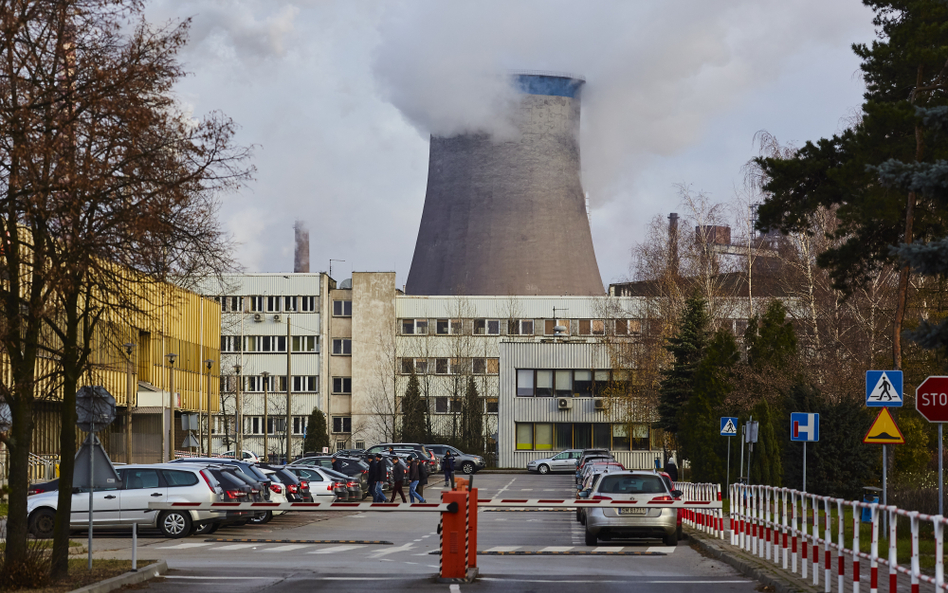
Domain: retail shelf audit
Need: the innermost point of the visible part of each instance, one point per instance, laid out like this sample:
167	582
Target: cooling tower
509	217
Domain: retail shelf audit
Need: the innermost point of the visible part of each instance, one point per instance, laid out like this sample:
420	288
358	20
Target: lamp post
289	389
129	347
266	426
209	363
238	430
171	356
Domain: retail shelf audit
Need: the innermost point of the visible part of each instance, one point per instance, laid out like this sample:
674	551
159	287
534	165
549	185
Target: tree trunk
20	437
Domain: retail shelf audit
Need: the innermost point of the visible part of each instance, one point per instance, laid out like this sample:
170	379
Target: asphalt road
410	560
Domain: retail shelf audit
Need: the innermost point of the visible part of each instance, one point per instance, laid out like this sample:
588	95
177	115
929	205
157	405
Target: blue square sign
728	426
884	389
804	427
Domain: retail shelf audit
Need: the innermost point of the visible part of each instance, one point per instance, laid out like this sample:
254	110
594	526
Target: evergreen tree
767	459
688	349
472	433
316	435
413	412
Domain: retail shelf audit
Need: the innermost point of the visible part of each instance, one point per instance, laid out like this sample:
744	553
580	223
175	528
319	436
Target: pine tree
687	347
413	412
316	435
472	434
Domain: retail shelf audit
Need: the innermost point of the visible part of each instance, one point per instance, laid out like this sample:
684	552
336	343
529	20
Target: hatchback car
564	461
323	486
631	522
463	462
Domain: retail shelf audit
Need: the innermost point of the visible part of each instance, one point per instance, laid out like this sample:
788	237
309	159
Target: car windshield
632	485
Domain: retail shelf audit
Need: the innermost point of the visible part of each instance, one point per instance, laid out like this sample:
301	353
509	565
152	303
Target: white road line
526	489
557	549
607	549
232	547
185	546
454	588
286	548
661	549
506	486
503	548
334	549
386	552
208	578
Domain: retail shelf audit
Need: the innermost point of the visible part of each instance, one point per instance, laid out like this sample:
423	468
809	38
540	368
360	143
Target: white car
127	503
248	456
277	489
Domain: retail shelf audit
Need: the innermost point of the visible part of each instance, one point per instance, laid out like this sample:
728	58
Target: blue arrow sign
884	389
728	426
804	427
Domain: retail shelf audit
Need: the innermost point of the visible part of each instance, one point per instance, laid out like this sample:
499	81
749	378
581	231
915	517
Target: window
444	327
256	304
583	383
271	343
441	366
342	346
480	366
549	326
628	327
305	343
360	445
524	383
543	437
523	327
251	343
592	327
602	436
308	304
342	308
639	437
177	478
492	405
273	304
299	424
306	383
136	479
231	304
417	327
525	436
342	384
600	383
444	405
544	383
341	424
289	304
230	343
488	327
620	437
253	424
564	383
419	365
564	436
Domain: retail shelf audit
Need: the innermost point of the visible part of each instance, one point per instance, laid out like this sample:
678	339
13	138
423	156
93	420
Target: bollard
454	551
893	558
472	528
874	550
856	552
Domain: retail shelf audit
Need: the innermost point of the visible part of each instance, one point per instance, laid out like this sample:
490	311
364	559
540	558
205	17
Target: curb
129	578
749	566
472	574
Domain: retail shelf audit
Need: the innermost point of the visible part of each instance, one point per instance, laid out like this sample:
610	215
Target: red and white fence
709	519
784	526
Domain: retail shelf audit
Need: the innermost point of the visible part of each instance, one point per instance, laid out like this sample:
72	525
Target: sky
339	99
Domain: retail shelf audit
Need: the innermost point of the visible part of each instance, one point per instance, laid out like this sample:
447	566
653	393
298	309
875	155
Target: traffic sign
728	426
931	399
884	431
884	389
804	427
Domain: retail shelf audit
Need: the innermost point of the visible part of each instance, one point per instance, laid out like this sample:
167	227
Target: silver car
564	461
127	503
464	463
627	522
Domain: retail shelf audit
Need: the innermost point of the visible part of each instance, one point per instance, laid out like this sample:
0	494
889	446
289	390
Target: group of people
415	473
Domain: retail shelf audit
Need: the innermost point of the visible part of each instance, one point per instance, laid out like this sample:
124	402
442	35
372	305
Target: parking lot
354	551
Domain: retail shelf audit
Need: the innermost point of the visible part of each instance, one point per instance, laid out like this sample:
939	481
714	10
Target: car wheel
261	518
544	469
671	539
206	528
41	523
591	538
467	467
175	524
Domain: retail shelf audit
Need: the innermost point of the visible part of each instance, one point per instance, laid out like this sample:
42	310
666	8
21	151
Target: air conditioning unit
599	403
276	317
258	316
564	403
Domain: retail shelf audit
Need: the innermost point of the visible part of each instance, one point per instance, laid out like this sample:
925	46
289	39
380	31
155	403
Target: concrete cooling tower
509	217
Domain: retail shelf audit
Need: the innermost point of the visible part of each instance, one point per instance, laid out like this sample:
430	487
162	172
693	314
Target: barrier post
874	550
785	526
816	538
939	553
793	530
803	534
856	524
916	569
472	528
893	557
454	553
827	544
840	528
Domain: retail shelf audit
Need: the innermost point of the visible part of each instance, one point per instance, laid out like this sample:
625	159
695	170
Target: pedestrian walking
447	464
398	475
414	477
381	478
671	468
422	476
336	464
373	477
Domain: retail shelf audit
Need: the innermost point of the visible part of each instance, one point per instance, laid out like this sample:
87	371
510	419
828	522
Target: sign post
884	390
728	429
805	428
931	401
750	436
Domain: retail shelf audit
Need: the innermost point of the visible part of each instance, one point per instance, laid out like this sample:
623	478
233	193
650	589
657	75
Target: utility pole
171	356
238	432
289	390
266	420
129	348
209	363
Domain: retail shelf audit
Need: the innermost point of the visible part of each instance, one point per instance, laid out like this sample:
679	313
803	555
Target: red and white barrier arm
428	507
575	503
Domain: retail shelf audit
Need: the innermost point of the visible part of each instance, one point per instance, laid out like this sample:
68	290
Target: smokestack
509	217
301	255
673	266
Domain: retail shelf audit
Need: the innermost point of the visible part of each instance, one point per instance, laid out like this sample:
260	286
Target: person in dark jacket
671	468
381	477
373	478
422	476
336	464
398	476
414	477
447	464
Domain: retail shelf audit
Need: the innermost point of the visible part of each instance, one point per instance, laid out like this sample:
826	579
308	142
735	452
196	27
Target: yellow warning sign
884	431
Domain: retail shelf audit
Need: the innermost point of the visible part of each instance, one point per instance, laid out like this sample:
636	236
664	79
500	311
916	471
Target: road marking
557	549
526	489
402	548
506	486
602	549
184	546
503	549
334	549
661	549
222	578
233	547
285	548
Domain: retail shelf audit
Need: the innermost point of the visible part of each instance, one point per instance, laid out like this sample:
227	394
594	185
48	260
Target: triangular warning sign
884	391
884	431
729	428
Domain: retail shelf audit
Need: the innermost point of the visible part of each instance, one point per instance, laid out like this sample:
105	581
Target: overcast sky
339	97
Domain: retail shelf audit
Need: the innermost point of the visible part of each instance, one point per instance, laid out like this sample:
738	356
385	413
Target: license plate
632	511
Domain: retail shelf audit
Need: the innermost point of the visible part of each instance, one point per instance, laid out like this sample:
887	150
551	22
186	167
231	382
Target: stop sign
931	399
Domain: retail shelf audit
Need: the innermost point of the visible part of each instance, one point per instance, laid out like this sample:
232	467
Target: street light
238	431
171	356
209	363
129	347
266	426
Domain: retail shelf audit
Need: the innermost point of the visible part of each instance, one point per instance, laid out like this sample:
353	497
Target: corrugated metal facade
519	307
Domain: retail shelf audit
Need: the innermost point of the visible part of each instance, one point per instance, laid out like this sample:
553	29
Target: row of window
271	383
523	327
267	304
568	382
268	344
453	405
547	436
450	366
253	425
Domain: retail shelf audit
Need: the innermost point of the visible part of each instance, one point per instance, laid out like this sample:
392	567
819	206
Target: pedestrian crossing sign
884	389
728	427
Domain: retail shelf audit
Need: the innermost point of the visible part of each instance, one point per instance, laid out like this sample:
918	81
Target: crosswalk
378	552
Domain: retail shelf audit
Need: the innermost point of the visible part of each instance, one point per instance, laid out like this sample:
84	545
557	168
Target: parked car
589	460
235	490
564	461
51	486
322	485
627	522
353	488
295	492
355	453
247	456
463	462
127	503
402	449
355	469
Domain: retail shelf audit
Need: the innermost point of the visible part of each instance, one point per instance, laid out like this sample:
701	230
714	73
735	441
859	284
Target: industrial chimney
301	255
509	217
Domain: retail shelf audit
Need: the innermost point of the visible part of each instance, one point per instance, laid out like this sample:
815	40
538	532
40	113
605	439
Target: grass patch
4	509
43	544
81	576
